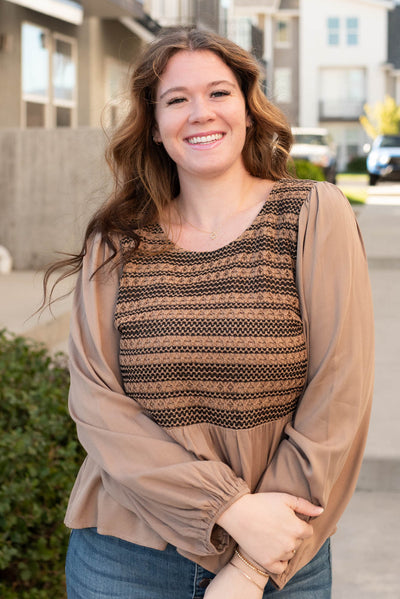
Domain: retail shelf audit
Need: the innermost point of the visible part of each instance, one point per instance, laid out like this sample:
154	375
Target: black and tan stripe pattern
217	336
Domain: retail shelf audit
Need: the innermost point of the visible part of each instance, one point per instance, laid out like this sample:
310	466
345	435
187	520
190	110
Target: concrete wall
51	182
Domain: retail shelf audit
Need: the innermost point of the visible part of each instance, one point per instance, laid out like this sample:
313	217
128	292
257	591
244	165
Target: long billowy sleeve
177	495
321	453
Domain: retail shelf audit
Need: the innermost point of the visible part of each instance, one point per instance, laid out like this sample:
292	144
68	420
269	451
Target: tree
383	118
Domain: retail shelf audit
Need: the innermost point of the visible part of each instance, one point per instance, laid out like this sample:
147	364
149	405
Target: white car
314	145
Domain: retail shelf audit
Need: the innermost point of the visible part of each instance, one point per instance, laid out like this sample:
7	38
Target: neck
207	202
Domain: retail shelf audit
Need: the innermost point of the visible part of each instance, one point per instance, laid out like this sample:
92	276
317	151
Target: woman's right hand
266	527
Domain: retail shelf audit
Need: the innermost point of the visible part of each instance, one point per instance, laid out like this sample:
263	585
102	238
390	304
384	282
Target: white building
343	50
324	60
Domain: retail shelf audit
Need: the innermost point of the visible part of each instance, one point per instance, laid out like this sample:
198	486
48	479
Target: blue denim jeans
104	567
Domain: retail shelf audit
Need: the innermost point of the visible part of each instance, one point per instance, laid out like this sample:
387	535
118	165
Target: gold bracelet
248	577
250	564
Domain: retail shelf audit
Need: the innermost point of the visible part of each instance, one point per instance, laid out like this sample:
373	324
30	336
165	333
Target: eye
220	93
175	101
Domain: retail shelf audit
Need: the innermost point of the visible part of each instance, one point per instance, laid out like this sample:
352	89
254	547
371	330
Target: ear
249	121
156	135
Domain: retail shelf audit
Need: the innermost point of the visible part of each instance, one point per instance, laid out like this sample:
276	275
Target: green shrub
39	459
358	164
302	169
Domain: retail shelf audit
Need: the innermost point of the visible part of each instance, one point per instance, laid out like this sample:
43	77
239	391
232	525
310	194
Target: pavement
21	294
366	556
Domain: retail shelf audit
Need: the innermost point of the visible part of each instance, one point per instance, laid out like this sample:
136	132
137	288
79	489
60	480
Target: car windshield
390	141
310	139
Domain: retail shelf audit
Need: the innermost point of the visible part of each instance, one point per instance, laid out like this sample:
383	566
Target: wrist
230	519
250	568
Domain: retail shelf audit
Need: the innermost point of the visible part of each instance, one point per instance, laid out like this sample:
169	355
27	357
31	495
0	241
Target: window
48	78
242	32
283	85
35	74
64	81
333	31
352	31
283	33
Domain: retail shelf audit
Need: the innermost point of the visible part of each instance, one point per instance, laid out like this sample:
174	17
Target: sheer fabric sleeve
320	455
179	496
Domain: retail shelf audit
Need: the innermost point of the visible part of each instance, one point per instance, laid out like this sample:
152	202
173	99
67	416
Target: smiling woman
207	113
221	374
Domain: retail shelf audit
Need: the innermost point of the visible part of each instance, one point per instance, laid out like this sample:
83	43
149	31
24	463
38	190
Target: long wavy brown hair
145	177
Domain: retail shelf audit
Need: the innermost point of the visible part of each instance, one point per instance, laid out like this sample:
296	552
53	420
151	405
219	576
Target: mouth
204	139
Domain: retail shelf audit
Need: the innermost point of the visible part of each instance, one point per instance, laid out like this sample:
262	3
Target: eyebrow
183	89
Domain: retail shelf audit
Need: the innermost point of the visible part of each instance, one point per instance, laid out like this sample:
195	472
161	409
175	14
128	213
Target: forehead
186	68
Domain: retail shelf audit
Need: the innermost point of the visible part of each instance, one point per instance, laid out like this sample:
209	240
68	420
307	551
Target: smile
205	139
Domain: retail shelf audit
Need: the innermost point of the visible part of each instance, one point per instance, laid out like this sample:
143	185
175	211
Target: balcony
340	110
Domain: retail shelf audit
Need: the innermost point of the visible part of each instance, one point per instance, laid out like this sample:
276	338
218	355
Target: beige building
63	66
64	60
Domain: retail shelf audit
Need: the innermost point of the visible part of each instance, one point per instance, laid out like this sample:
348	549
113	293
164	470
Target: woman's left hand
230	583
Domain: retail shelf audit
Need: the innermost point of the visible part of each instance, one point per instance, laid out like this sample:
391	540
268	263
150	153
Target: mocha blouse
197	377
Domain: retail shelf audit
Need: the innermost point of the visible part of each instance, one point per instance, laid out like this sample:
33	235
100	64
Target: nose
201	110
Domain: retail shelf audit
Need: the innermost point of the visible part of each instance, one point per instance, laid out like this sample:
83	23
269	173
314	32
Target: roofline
143	33
382	3
65	10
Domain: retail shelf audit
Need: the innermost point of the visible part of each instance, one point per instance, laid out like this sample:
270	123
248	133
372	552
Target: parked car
383	161
315	146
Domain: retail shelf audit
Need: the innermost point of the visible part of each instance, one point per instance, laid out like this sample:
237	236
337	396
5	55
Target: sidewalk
21	294
384	194
366	559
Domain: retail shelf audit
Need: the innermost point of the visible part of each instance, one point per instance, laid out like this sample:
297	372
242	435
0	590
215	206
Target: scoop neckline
180	250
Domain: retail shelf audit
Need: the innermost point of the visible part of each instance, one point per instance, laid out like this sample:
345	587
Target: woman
220	350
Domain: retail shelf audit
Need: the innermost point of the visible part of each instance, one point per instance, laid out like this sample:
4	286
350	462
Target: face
201	115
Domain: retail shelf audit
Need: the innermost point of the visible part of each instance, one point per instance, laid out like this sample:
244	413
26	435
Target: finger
302	506
306	531
296	548
278	567
292	552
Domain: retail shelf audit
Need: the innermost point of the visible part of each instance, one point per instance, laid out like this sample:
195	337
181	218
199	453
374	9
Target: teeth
205	139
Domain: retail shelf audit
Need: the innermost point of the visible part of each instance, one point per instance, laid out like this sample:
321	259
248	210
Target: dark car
383	161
